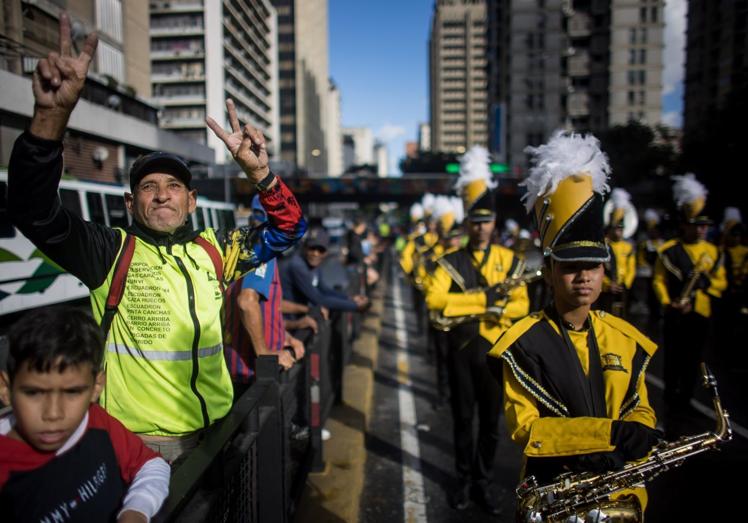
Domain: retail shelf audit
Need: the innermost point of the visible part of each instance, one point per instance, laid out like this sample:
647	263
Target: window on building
632	98
116	210
632	77
632	36
642	97
643	15
109	18
643	35
642	77
642	56
653	14
95	207
632	56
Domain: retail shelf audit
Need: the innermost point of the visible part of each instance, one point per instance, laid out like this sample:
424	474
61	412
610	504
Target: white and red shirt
102	470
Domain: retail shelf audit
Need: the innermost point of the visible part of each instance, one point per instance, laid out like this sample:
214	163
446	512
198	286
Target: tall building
424	137
113	122
382	159
358	146
458	79
334	132
303	64
205	52
576	64
716	60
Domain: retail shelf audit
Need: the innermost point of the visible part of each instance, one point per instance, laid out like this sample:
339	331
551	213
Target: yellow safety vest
166	373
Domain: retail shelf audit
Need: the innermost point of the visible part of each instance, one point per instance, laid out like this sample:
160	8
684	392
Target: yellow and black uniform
621	269
409	261
685	334
458	288
563	388
736	268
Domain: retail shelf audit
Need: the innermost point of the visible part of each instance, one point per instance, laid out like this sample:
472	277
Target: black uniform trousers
685	339
471	384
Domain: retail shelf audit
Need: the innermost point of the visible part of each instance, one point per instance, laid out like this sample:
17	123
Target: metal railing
249	466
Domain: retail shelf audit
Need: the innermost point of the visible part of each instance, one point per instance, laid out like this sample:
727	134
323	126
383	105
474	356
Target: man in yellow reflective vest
166	375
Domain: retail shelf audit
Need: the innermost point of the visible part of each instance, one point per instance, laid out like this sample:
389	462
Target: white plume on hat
458	208
510	225
687	188
620	198
416	211
442	206
564	155
428	202
732	216
651	216
474	165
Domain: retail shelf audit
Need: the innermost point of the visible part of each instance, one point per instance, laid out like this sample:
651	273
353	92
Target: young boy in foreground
62	457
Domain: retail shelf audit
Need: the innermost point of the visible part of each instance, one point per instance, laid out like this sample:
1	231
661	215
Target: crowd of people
101	404
558	355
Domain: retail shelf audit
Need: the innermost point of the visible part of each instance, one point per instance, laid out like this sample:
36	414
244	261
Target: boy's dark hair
53	338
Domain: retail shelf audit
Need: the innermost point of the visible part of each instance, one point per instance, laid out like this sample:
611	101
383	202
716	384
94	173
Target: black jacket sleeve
84	249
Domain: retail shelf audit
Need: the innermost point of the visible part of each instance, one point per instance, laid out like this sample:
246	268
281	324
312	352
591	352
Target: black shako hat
159	162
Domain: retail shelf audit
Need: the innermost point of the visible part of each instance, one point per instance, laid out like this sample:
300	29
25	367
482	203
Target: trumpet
492	313
580	495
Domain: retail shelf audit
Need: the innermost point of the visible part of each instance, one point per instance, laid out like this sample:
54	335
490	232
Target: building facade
113	122
716	60
203	52
458	75
358	147
303	72
334	132
575	64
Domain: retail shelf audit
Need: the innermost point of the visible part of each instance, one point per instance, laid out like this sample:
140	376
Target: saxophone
576	496
492	314
698	270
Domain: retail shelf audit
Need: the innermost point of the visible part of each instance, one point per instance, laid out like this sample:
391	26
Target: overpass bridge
403	190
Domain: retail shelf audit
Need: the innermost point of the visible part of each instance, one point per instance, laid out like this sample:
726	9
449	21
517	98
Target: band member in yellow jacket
621	223
574	391
467	285
449	214
420	241
688	274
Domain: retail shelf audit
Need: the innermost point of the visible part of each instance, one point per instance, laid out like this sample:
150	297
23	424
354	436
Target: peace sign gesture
246	145
58	82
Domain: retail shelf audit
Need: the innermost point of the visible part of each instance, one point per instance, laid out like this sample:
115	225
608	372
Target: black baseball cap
317	237
159	162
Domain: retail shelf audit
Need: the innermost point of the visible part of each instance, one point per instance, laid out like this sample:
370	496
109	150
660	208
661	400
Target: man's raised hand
246	144
57	83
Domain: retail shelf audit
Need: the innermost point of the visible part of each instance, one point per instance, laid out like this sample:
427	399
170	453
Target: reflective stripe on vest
163	355
166	373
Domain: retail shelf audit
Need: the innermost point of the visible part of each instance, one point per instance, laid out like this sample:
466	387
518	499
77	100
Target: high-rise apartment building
716	61
113	122
358	147
458	75
303	70
424	137
334	132
205	51
577	64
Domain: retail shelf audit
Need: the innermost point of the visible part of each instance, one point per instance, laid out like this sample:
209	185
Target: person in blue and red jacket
166	376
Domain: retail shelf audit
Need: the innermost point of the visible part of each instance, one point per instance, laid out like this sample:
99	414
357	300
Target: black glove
598	462
632	439
493	294
703	283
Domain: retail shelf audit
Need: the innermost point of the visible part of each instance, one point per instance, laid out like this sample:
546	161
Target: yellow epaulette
448	251
513	333
629	330
667	245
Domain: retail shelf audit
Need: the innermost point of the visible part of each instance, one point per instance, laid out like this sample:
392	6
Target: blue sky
379	60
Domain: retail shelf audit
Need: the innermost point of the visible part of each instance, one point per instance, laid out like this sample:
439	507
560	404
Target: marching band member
621	222
574	390
688	274
468	282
